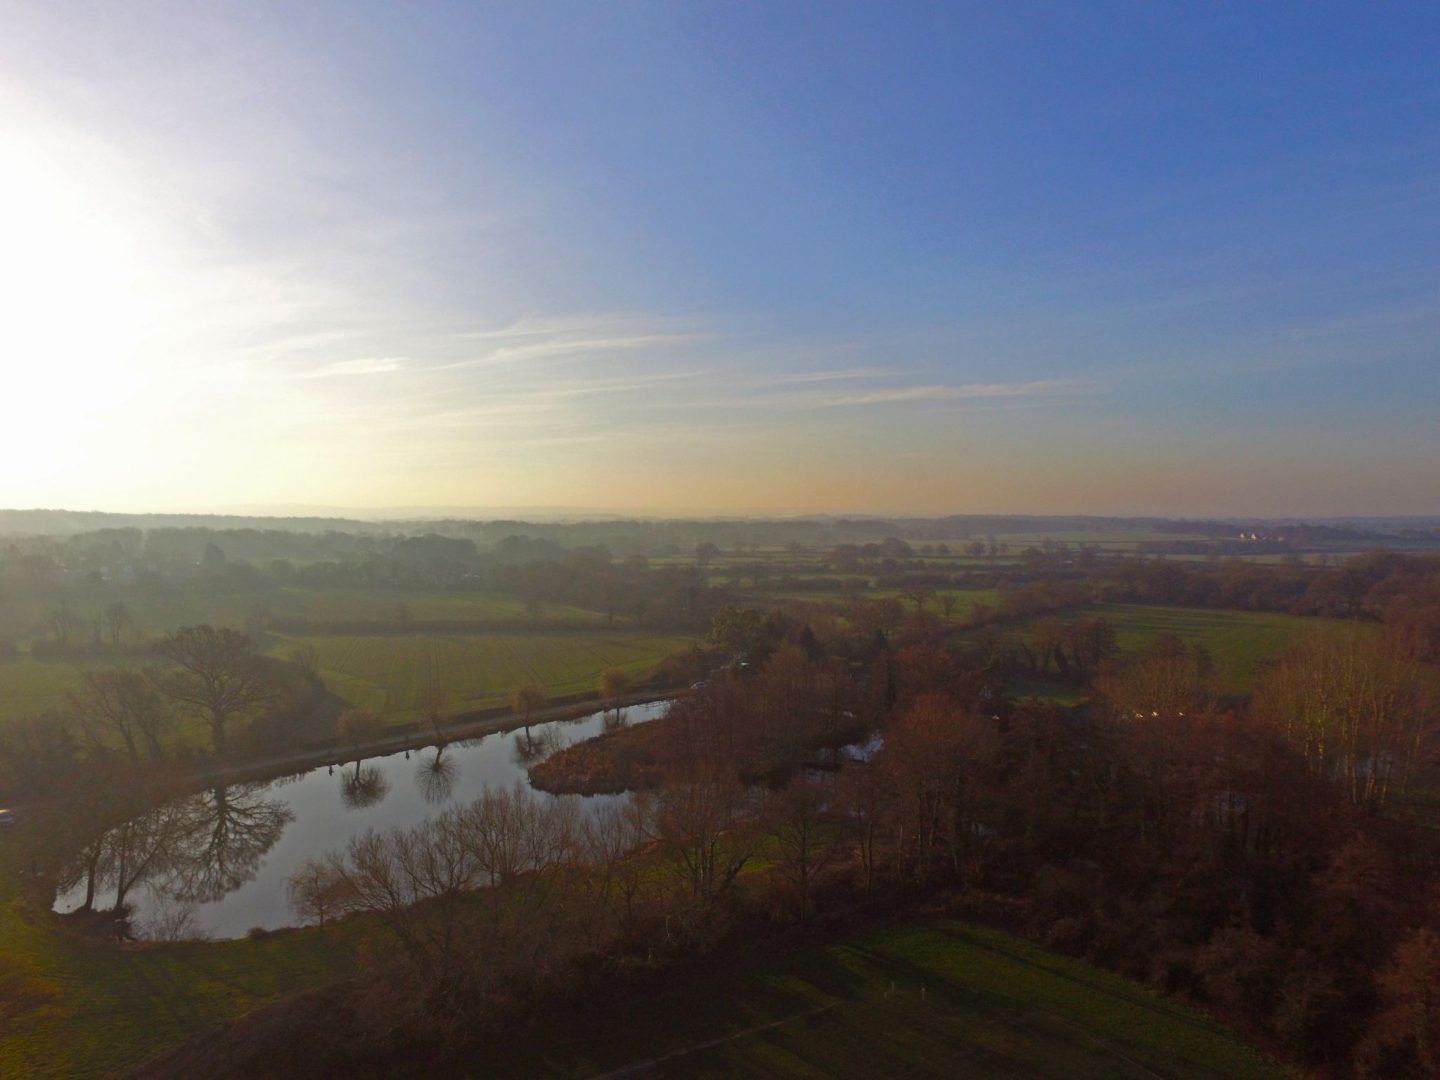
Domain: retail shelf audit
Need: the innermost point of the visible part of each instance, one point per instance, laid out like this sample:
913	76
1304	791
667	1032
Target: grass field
1238	640
921	999
21	617
1052	690
380	671
933	998
965	599
76	1008
386	672
1111	540
30	686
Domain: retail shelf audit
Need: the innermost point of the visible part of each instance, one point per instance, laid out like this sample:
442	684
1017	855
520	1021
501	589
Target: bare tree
433	703
527	701
919	595
609	841
141	847
614	685
866	796
795	818
418	883
705	553
937	756
358	727
306	658
1047	635
435	775
226	832
68	838
216	672
695	821
364	787
1409	1017
61	622
1360	716
118	620
127	704
318	891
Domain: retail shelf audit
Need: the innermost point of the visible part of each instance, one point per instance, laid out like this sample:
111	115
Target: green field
382	670
385	672
1238	640
935	999
966	600
72	1007
30	686
21	618
1111	539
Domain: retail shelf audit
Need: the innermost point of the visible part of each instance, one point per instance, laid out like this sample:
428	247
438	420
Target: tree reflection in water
531	748
364	787
226	831
435	776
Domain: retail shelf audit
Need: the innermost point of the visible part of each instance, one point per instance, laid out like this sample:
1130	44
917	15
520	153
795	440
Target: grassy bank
74	1007
927	998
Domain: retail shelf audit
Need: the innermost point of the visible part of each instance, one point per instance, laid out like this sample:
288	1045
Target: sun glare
73	268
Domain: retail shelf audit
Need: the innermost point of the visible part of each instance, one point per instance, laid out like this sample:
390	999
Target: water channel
242	842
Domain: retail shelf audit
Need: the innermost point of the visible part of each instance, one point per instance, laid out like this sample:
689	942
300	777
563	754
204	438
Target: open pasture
1238	640
966	600
386	672
924	999
932	998
1109	540
22	619
76	1007
30	686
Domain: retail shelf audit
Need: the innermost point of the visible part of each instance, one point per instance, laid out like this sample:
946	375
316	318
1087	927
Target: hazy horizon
580	514
669	259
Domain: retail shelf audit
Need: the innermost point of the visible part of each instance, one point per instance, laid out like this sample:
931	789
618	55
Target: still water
241	843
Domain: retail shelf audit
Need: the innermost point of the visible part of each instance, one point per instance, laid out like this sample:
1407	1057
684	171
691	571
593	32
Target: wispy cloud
934	392
365	365
593	387
529	339
571	346
835	375
963	392
581	323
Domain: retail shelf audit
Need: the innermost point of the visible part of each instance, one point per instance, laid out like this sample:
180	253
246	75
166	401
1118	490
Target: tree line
1265	862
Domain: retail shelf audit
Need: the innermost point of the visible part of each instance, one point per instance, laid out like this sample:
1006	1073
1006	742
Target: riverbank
637	757
267	829
471	725
415	737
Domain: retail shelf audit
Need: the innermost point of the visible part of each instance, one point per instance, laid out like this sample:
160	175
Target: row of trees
1260	864
1241	860
1360	716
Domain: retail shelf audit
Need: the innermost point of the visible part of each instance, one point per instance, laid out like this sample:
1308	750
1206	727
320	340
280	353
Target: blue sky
785	257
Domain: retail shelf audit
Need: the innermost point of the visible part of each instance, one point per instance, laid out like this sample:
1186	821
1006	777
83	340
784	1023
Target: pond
233	848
